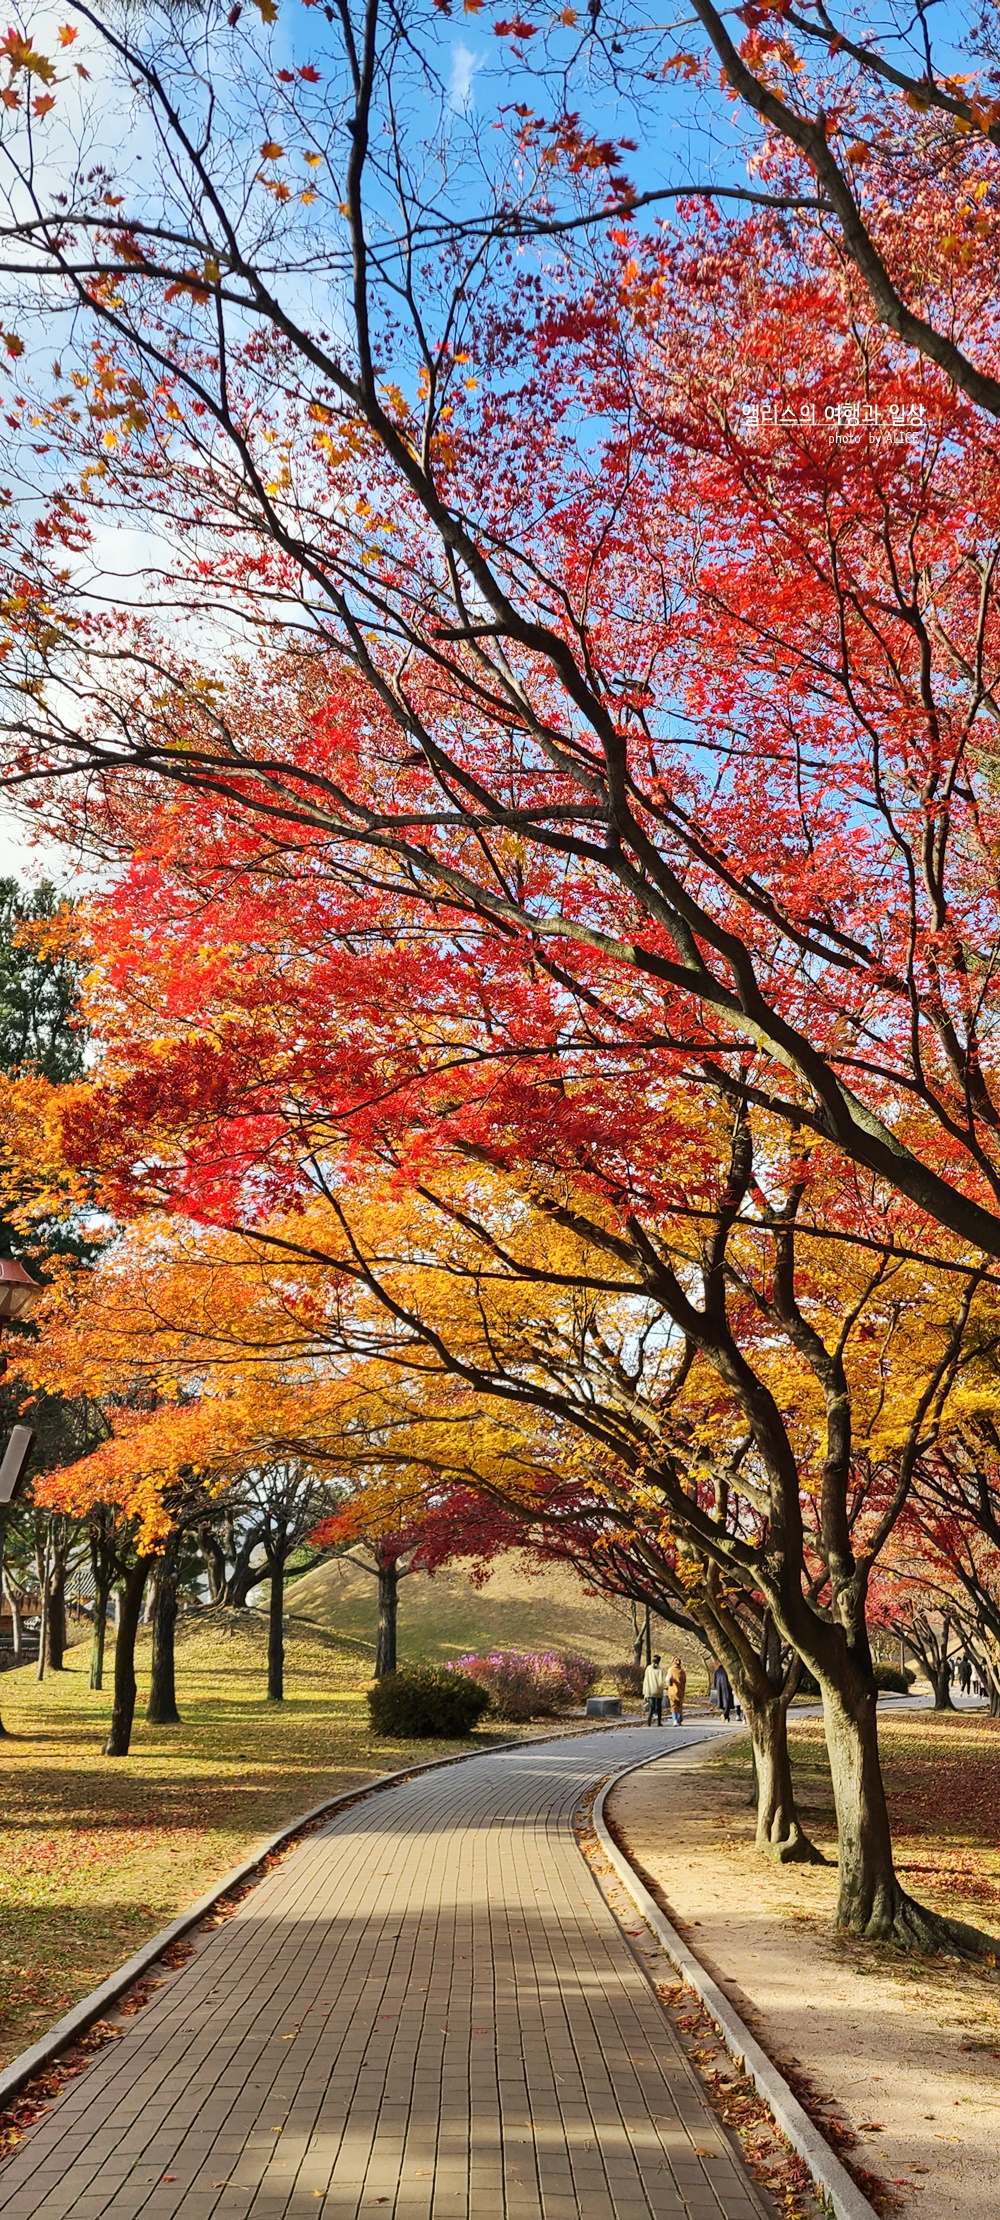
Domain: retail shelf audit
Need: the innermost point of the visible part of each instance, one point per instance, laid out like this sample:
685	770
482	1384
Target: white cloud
464	64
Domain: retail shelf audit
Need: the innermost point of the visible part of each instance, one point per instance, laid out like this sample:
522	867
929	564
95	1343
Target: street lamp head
18	1291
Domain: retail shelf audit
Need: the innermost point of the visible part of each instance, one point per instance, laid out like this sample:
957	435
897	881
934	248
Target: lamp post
18	1295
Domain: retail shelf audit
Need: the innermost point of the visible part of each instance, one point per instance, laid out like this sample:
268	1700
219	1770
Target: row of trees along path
614	763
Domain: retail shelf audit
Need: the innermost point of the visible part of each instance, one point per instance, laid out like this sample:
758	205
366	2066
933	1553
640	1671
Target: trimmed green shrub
423	1701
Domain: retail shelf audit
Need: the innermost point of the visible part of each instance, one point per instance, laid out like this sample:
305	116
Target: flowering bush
528	1684
580	1674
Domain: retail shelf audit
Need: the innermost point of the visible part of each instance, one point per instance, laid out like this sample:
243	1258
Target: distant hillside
443	1615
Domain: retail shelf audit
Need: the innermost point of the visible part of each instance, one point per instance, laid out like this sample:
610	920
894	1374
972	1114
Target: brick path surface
427	2011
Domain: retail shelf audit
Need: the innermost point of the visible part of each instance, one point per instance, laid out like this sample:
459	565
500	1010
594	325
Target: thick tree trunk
44	1563
779	1830
129	1615
161	1710
16	1624
871	1902
942	1687
240	1585
764	1688
55	1621
276	1635
388	1611
215	1563
3	1590
102	1597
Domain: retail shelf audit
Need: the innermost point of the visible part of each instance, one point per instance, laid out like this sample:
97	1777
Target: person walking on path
676	1684
722	1692
652	1689
965	1676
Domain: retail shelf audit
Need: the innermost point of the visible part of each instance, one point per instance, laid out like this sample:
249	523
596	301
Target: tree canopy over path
550	727
664	726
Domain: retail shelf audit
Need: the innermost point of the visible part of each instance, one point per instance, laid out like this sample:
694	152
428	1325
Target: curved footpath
425	2010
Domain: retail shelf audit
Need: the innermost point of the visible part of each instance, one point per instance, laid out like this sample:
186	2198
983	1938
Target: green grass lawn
97	1854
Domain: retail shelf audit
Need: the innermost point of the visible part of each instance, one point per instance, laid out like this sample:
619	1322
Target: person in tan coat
677	1681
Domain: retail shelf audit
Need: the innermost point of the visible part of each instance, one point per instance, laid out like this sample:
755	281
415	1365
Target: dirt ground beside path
902	2060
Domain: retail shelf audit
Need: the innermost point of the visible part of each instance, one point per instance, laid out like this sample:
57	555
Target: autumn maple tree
943	1592
499	615
697	1377
173	1468
225	1425
391	1532
557	712
744	1431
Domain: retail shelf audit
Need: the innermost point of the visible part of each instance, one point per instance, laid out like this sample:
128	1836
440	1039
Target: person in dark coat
722	1692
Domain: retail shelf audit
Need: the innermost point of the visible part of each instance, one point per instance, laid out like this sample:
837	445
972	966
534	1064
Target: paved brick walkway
426	2010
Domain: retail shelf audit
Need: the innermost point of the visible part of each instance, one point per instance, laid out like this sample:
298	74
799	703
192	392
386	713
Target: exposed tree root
897	1919
781	1835
795	1849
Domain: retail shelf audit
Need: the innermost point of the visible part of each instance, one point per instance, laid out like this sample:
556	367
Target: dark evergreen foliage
39	998
423	1701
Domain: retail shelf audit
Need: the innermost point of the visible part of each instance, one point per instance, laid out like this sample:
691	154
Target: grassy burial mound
444	1614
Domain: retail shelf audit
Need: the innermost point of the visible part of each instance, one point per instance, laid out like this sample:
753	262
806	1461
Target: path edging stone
833	2182
64	2032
